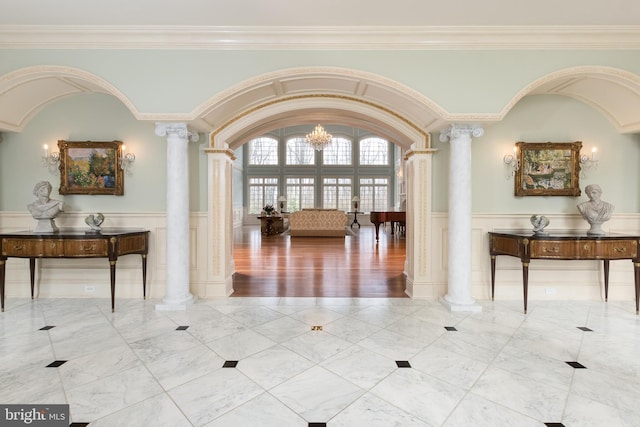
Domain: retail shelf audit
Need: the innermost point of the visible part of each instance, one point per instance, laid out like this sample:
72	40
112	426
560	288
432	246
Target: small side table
355	218
271	225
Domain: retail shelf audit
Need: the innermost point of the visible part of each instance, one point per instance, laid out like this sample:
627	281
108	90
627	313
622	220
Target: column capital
457	130
180	130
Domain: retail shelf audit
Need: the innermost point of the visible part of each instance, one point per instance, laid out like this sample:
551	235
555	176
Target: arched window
299	152
374	152
339	152
263	151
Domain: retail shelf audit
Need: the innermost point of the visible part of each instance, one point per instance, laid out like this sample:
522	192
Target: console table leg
112	268
525	283
32	272
636	270
2	266
606	279
144	276
493	275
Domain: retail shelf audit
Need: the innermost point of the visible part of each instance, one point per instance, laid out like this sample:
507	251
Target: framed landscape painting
548	169
88	167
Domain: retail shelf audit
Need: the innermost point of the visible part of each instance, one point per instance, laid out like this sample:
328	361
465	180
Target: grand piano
394	217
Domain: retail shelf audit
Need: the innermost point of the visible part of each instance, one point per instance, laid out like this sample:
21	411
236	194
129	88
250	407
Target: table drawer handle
586	247
554	250
623	249
88	248
18	247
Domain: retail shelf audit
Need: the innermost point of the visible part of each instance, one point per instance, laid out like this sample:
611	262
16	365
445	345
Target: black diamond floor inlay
46	328
450	328
554	424
584	328
576	365
230	364
56	363
317	424
403	364
181	328
78	424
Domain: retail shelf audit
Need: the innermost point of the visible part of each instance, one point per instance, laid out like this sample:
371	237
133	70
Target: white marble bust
595	211
45	209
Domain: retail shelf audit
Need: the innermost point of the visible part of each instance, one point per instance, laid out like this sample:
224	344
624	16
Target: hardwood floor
353	266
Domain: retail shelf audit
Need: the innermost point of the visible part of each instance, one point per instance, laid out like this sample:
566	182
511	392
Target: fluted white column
458	297
177	295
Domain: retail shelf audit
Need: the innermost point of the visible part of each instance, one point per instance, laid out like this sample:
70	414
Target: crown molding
319	38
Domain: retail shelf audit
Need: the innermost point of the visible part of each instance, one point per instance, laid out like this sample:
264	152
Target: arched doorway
330	104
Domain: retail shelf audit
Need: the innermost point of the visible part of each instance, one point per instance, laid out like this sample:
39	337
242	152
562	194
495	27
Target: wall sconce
126	159
355	201
512	163
282	201
50	161
588	163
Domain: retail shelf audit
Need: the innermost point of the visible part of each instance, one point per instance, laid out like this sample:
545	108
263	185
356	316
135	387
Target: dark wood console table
74	244
565	246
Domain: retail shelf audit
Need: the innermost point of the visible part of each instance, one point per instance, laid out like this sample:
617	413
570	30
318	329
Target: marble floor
333	362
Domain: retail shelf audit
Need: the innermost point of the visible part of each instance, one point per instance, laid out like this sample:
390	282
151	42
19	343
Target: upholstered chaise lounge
318	223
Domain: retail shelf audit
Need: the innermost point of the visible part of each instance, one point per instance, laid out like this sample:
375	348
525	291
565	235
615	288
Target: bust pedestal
46	226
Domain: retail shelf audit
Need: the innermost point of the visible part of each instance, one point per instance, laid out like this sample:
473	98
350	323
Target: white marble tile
607	389
316	316
158	411
282	329
317	394
254	316
410	390
208	397
32	384
588	413
33	348
183	366
263	411
92	367
478	412
240	345
371	411
163	346
350	329
110	394
448	366
438	315
536	367
381	316
537	400
273	366
548	344
88	342
362	367
418	330
213	330
317	345
392	345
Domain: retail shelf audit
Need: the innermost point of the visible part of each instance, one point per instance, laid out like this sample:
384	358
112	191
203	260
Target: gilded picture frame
548	169
90	167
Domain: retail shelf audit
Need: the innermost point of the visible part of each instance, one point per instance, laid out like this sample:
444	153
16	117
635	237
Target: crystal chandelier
319	139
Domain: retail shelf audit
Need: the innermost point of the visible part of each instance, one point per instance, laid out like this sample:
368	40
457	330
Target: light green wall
459	81
543	118
94	117
534	119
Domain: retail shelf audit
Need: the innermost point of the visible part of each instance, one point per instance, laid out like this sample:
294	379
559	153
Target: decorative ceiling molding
319	38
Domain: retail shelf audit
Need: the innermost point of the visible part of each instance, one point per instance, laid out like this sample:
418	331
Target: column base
457	307
176	305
